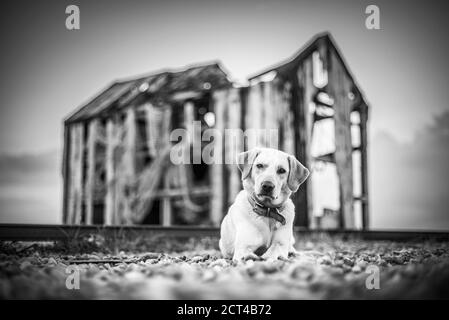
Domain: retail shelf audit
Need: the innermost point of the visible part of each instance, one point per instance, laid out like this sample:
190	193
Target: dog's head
271	174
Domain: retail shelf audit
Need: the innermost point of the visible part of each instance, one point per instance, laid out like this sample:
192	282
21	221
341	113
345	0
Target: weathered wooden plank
151	133
166	209
76	173
193	132
299	108
309	93
118	143
163	125
288	134
66	172
130	143
339	86
220	98
254	117
189	118
91	166
234	143
158	127
71	185
322	70
270	125
364	166
110	173
128	167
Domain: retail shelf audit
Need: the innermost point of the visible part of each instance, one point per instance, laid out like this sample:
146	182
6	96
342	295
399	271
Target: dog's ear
297	174
245	161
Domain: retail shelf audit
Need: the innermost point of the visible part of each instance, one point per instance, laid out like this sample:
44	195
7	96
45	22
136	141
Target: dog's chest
266	227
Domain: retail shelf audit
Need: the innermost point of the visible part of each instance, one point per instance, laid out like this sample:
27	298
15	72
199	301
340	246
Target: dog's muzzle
267	188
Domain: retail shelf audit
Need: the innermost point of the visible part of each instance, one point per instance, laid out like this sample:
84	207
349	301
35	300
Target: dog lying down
261	218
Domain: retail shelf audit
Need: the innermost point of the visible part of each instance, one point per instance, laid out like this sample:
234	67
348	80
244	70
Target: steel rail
36	232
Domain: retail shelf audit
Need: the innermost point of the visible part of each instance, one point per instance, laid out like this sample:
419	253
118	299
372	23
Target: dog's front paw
245	257
276	253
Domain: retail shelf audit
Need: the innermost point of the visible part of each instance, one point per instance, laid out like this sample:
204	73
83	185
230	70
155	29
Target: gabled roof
314	44
194	78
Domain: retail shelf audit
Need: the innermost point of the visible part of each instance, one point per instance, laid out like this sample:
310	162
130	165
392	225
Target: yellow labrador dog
261	218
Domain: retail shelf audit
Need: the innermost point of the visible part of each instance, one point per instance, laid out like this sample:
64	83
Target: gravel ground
326	268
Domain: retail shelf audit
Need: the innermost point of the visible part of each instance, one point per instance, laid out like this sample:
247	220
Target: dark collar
263	210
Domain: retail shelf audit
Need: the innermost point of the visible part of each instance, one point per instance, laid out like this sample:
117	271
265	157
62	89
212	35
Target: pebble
197	259
356	269
339	263
362	264
324	260
25	264
219	262
348	262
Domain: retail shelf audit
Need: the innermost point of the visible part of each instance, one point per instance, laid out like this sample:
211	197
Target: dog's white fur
244	232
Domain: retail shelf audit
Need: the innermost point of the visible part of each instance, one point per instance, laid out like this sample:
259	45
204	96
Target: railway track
34	232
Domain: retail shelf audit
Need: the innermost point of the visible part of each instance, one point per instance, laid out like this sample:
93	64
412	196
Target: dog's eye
259	166
281	171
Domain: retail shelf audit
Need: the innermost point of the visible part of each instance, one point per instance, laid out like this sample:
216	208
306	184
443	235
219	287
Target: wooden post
364	165
76	173
119	170
71	185
166	203
288	131
90	178
151	130
270	117
299	109
234	143
128	167
110	173
309	93
339	87
217	172
254	115
189	118
66	173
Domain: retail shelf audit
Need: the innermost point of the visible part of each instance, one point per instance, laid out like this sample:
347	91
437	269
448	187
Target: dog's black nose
267	186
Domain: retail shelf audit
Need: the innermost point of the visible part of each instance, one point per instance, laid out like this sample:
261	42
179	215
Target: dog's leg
248	239
226	251
292	251
277	250
280	245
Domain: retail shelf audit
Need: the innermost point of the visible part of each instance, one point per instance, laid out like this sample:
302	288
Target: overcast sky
48	71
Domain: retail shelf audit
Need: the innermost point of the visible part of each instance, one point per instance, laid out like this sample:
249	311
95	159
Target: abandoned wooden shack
116	164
